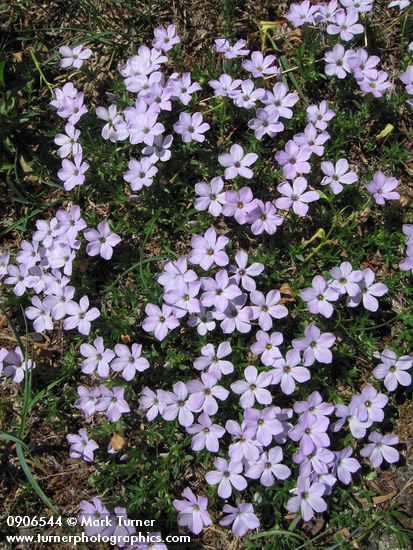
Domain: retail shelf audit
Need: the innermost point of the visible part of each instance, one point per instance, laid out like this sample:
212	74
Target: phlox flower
345	24
177	405
40	315
315	345
81	446
207	435
349	414
266	122
235	316
68	142
129	361
253	387
302	13
296	196
294	159
87	400
204	394
72	108
369	291
112	402
281	99
239	204
362	64
57	301
145	128
265	423
236	163
4	262
326	12
248	95
383	188
317	462
337	61
112	118
16	366
225	85
319	296
101	241
213	360
266	345
393	369
310	431
47	231
160	149
313	139
381	448
289	370
80	316
210	196
345	279
244	443
227	476
244	275
268	468
165	39
153	403
336	175
370	404
93	516
173	270
97	359
345	465
267	307
362	6
219	291
71	173
192	511
320	115
308	498
313	405
203	321
376	85
28	254
238	49
264	218
260	65
191	127
241	517
208	249
74	56
140	174
183	88
60	94
183	297
70	223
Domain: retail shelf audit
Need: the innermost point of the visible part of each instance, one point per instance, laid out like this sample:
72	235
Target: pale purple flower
68	142
210	196
173	270
383	188
326	12
208	249
192	511
81	446
183	297
253	388
112	402
236	163
319	296
345	24
266	122
225	85
74	56
16	366
265	423
28	254
345	279
337	174
296	196
204	394
87	400
97	358
337	61
264	218
218	291
248	95
241	517
18	277
320	115
315	345
401	4
129	361
4	262
140	173
227	476
47	231
302	13
288	371
362	64
183	88
159	321
314	140
207	435
368	291
313	405
57	301
231	52
244	274
177	405
245	445
310	431
362	6
317	461
145	128
67	91
73	173
165	39
370	404
294	159
381	448
213	360
160	149
407	78
308	498
376	85
112	119
267	307
72	108
238	204
393	369
101	241
70	223
268	468
153	403
349	414
266	345
281	99
235	316
80	316
260	65
191	127
345	465
203	321
94	518
39	313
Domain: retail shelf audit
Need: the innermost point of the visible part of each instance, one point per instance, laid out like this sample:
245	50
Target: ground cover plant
206	272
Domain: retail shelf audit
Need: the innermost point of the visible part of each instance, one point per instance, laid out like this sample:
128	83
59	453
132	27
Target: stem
41	73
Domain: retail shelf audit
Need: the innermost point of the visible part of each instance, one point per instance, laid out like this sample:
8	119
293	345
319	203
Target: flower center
210	252
268	346
320	297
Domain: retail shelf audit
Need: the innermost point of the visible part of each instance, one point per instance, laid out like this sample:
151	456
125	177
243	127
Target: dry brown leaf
117	442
